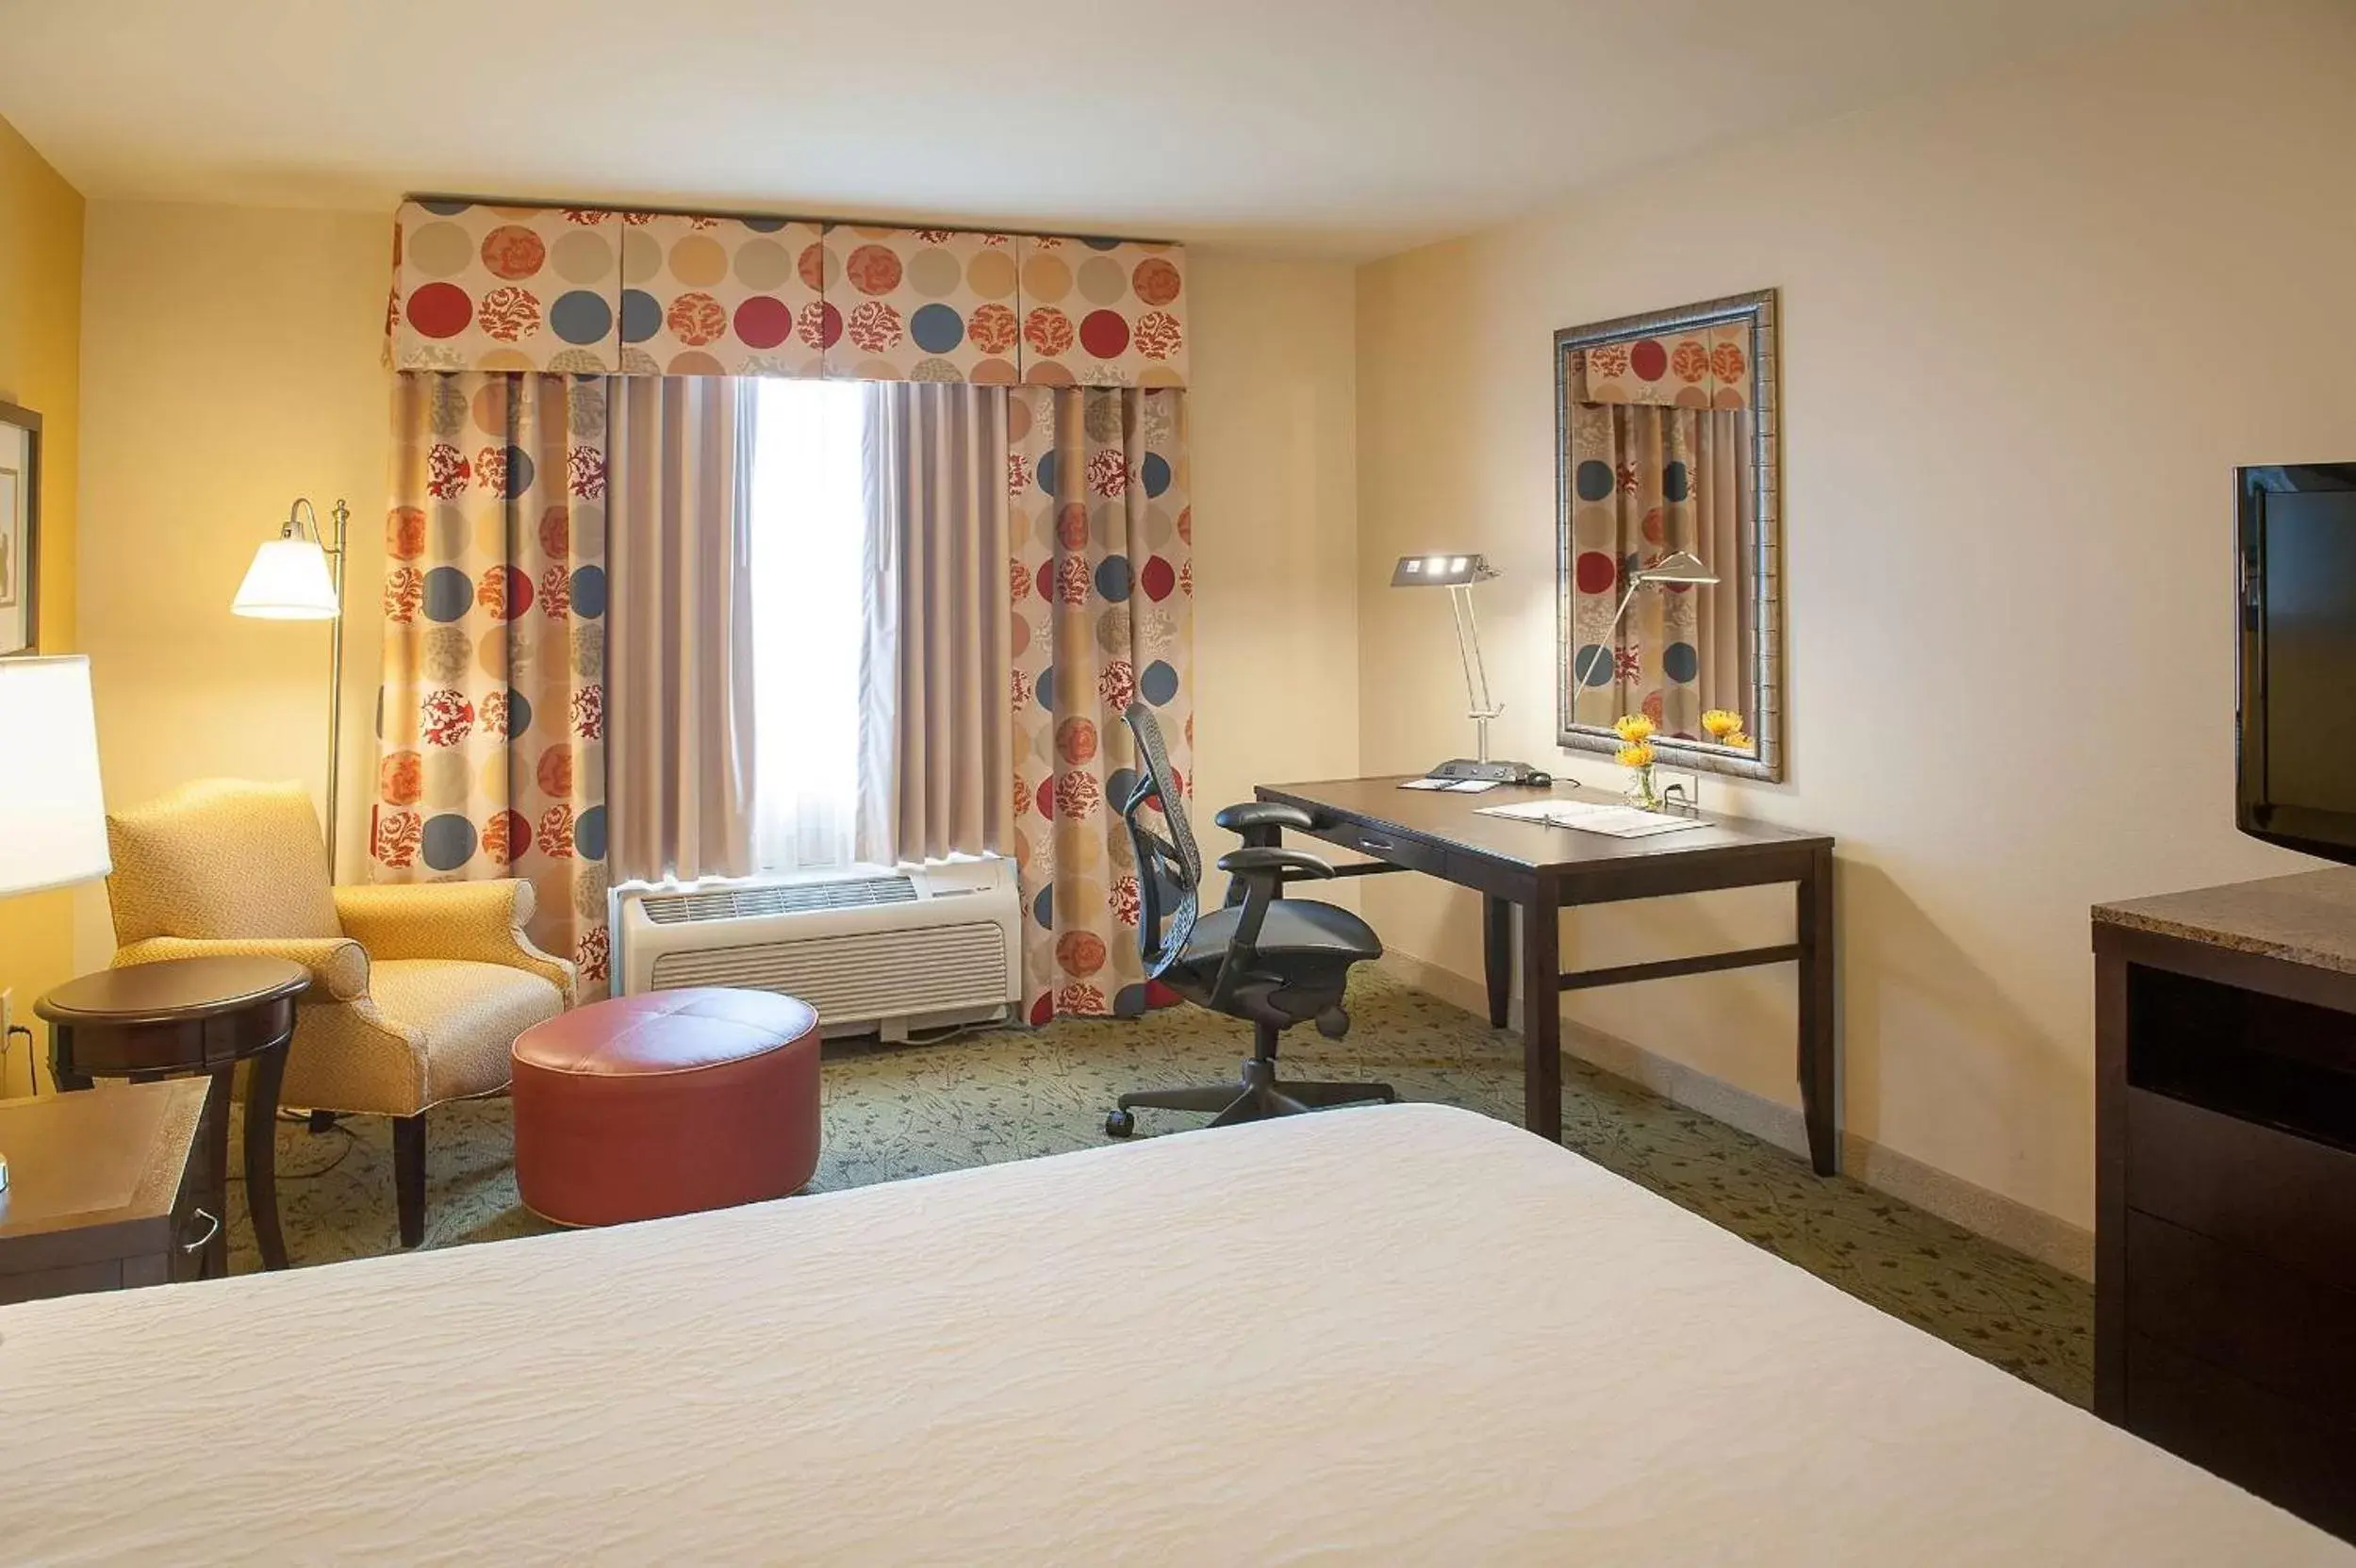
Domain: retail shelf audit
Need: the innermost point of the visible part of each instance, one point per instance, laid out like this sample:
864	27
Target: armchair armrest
338	965
1264	814
480	922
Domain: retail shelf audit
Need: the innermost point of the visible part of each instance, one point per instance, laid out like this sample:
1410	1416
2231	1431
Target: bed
1407	1334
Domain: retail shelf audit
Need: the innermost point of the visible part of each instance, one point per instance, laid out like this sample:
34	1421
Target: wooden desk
1546	870
185	1015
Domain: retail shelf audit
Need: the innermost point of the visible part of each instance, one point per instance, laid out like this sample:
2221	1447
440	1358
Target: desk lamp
53	818
1457	572
1677	566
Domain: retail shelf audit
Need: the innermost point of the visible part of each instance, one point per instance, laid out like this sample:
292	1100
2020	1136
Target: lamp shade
1442	568
53	818
1678	565
288	581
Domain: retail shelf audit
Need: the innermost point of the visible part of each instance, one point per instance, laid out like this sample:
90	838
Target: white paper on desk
1591	817
1453	786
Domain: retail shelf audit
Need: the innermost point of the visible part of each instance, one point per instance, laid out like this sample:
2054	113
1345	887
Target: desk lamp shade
290	580
1678	565
53	818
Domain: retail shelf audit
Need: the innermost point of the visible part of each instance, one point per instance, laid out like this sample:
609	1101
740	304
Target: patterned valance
1707	368
597	292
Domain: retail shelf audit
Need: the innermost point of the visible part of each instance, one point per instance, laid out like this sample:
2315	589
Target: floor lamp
298	576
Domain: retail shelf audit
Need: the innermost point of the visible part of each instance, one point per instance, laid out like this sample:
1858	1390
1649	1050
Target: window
809	529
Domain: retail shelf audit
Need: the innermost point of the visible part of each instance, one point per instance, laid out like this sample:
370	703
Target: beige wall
1272	416
231	359
41	317
2030	326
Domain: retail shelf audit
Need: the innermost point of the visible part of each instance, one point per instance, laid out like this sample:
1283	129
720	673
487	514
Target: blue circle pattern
1680	662
1118	785
763	225
1594	480
1675	484
1045	470
449	594
1043	908
1593	664
1155	474
518	713
1046	689
588	834
641	316
445	209
1113	579
1158	684
448	842
520	472
1129	1003
936	328
580	317
588	593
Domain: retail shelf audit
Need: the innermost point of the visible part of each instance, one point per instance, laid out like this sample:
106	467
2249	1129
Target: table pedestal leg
1820	1049
218	1101
1541	1014
1497	955
261	1152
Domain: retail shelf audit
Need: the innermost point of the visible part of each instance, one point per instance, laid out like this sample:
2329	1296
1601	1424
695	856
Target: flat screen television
2295	729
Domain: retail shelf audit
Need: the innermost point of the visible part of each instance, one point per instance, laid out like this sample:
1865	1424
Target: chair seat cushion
1293	926
664	1104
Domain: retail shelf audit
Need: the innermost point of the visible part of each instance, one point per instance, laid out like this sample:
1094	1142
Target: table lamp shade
53	818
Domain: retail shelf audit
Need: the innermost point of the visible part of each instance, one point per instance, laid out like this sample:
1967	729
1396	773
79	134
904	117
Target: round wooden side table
186	1016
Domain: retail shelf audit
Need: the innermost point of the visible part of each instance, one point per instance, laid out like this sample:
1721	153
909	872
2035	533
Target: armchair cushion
338	965
432	1029
220	859
481	922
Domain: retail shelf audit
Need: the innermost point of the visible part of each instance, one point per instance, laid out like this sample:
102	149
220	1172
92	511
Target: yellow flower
1637	755
1633	729
1722	723
1740	741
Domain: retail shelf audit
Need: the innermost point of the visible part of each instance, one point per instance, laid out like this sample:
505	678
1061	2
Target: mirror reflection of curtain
1650	479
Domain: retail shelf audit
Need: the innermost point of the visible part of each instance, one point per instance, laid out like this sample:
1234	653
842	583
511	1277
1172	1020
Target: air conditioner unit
874	949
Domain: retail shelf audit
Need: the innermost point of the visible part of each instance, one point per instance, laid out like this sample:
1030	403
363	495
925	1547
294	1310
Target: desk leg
1541	1012
1497	950
1819	1048
218	1099
261	1152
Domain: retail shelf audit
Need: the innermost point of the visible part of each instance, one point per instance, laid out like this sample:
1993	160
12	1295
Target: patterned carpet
894	1111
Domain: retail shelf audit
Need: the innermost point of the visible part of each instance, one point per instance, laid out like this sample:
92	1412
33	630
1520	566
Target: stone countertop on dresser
2307	917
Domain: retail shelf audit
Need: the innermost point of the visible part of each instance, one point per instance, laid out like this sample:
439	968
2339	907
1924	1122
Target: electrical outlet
1678	787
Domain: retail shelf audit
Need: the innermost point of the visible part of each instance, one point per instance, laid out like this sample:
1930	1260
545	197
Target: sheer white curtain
808	552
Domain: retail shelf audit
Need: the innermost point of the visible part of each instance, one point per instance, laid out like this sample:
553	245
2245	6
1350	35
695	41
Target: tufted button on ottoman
664	1104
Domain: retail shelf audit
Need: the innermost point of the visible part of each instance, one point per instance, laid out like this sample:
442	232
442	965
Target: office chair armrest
1264	814
1255	862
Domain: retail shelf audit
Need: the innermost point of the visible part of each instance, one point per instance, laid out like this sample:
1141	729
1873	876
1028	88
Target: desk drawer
1399	848
2293	1456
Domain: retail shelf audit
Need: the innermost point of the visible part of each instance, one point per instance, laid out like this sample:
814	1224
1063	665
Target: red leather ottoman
664	1104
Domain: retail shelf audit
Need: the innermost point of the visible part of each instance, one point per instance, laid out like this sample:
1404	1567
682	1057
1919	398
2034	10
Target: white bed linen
1408	1334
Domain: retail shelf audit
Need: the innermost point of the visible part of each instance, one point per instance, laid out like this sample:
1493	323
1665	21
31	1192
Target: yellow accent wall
40	326
2030	325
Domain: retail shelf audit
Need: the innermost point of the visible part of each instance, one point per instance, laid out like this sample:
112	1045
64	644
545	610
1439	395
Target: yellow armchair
416	990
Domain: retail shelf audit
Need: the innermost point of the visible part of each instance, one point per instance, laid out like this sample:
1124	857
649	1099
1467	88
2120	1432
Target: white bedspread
1407	1334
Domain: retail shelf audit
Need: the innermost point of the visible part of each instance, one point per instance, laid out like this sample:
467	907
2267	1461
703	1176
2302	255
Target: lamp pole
302	517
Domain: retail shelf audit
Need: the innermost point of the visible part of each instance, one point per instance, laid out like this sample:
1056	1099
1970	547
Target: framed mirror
1669	592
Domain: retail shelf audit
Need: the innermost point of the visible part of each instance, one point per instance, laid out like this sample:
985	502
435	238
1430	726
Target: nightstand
105	1190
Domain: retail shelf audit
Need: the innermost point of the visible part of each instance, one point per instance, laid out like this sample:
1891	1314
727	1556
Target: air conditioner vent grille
737	903
859	975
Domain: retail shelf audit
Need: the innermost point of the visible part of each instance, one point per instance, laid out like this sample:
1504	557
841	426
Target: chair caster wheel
1120	1124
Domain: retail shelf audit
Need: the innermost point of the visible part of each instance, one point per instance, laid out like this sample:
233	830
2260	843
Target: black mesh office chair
1277	961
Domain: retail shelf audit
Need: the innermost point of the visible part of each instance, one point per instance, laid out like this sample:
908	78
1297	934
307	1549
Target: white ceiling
1344	127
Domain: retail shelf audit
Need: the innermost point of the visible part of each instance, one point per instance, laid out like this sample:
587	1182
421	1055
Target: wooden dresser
105	1190
2225	1227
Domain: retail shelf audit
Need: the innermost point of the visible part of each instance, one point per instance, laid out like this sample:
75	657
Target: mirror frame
1765	716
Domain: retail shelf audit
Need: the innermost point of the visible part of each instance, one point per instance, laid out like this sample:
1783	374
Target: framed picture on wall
20	525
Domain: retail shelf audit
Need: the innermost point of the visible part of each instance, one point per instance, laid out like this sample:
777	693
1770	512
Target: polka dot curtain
585	291
1103	583
1648	479
492	711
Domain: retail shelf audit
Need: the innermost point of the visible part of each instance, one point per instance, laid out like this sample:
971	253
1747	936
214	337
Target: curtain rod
786	217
